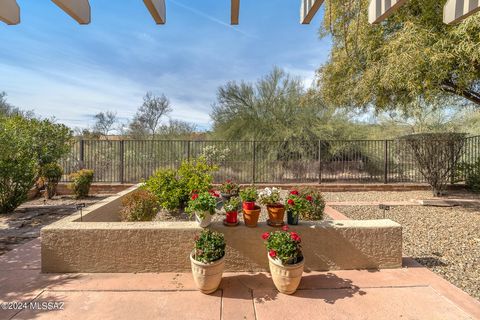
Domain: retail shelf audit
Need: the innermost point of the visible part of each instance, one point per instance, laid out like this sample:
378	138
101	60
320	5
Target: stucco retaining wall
92	246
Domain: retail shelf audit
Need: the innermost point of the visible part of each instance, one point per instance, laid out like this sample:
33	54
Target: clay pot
249	205
205	221
292	219
251	216
232	217
286	277
276	213
207	276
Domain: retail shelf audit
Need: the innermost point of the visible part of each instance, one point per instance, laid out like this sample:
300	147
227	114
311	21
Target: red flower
295	236
291	202
215	194
294	192
309	198
285	228
265	236
194	196
272	253
229	181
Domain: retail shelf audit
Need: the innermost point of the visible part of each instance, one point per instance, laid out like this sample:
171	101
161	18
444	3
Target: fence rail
296	161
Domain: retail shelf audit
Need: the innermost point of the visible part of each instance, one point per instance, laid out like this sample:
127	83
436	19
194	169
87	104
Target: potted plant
270	197
229	189
208	260
249	195
231	211
316	210
218	199
296	205
285	259
202	205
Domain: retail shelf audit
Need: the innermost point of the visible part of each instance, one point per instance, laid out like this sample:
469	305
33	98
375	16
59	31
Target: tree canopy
411	55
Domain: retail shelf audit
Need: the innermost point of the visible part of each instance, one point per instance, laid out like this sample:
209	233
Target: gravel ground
392	195
446	240
25	222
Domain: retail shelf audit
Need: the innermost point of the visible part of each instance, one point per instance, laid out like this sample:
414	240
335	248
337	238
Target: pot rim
276	206
287	266
257	208
210	264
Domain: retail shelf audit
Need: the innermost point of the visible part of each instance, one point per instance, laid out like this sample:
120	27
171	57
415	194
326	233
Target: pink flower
291	202
309	198
229	181
285	228
294	192
295	236
265	236
194	196
272	253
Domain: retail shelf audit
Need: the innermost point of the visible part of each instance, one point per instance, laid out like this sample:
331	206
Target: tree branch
470	95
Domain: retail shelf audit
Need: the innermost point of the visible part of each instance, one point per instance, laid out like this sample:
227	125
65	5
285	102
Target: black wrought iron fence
295	161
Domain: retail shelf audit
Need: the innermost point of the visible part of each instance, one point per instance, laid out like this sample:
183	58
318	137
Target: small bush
209	246
168	190
196	176
81	182
317	208
51	174
471	172
140	205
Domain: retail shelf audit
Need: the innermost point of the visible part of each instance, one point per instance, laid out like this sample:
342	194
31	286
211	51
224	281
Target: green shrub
165	186
51	174
139	205
471	172
209	246
81	182
173	188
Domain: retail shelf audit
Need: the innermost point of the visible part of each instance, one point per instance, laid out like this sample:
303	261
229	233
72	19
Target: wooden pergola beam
157	9
235	12
457	10
9	12
379	10
79	10
308	10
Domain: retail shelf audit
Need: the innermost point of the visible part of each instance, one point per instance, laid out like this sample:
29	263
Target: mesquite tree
436	155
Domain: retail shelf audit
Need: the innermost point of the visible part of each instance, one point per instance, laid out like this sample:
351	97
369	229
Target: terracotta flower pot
251	216
286	277
276	213
232	217
249	205
207	276
204	219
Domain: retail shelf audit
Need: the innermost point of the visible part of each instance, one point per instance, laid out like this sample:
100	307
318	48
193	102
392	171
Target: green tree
390	65
177	129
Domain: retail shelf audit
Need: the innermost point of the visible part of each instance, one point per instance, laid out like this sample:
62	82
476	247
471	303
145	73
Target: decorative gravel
393	195
446	240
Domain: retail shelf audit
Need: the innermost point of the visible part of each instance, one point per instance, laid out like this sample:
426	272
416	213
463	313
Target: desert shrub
51	174
471	172
173	188
168	190
317	208
81	182
27	144
140	205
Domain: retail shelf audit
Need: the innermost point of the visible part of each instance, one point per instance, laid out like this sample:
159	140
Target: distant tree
149	115
177	129
105	122
6	109
390	65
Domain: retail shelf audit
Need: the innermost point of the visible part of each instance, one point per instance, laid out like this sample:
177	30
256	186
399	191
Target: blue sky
55	67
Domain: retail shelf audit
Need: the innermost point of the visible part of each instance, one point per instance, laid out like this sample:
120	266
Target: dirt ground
25	222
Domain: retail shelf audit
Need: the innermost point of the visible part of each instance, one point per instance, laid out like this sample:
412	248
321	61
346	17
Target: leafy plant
51	174
209	246
165	185
296	204
249	194
284	246
196	175
232	204
229	188
316	210
140	205
201	203
270	196
471	172
81	182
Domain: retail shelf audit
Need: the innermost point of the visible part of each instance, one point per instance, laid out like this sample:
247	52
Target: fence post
122	161
188	150
319	161
254	159
386	163
82	154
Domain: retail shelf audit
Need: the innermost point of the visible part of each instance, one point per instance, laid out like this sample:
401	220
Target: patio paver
412	292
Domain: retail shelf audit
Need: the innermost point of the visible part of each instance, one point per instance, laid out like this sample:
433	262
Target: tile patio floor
412	292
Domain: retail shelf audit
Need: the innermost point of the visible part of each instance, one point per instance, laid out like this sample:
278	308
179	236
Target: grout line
35	298
221	305
253	304
123	290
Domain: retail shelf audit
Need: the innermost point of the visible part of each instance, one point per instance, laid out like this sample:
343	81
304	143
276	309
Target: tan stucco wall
72	246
